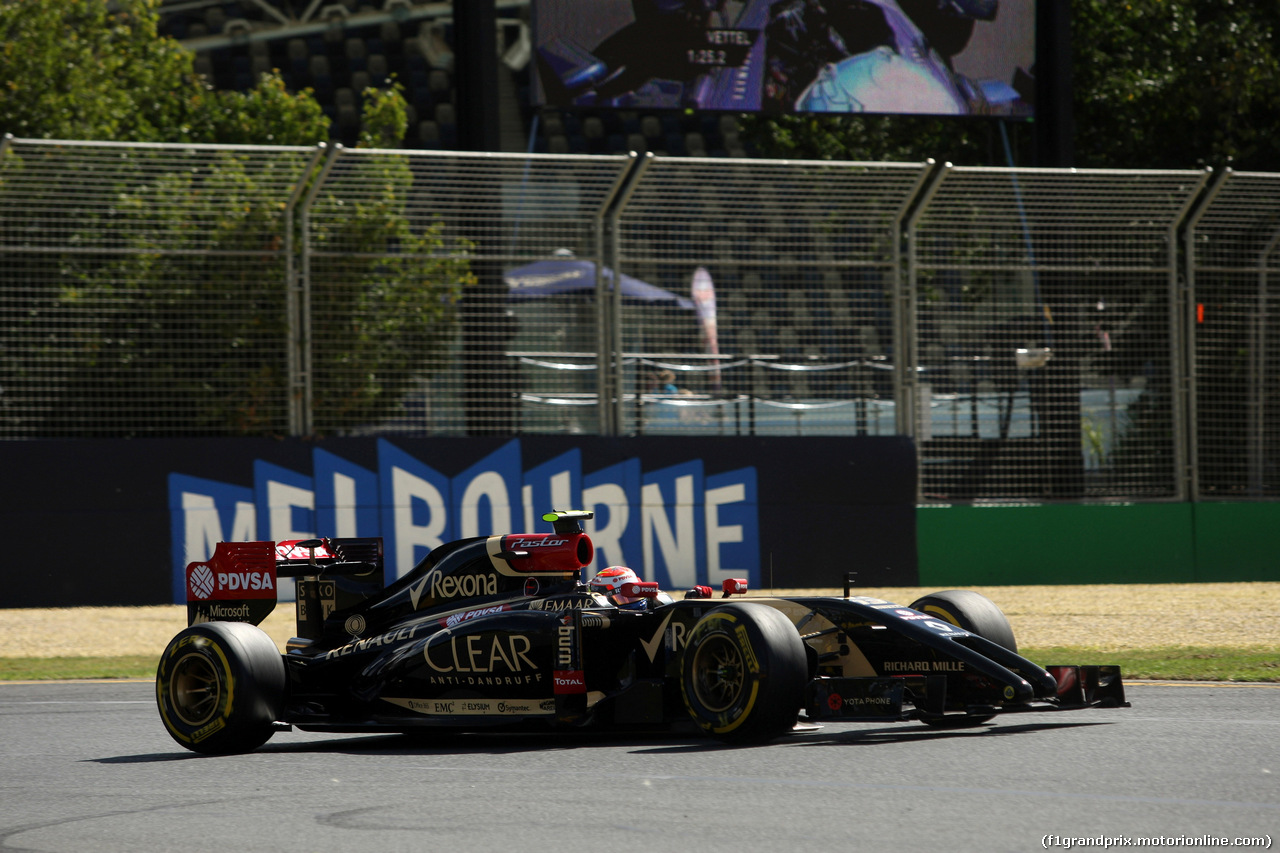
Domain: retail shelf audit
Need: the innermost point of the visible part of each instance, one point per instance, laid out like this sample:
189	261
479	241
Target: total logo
203	583
569	681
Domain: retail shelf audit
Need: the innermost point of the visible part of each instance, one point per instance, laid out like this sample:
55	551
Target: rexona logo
443	586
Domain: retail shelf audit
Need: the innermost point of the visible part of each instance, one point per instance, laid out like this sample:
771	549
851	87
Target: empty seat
215	19
348	117
377	68
429	134
651	128
438	82
593	135
552	125
419	89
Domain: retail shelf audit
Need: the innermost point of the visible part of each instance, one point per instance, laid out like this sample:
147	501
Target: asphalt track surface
88	767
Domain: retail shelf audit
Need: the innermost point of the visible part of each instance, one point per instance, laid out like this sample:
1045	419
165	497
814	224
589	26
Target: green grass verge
1179	663
1175	664
61	669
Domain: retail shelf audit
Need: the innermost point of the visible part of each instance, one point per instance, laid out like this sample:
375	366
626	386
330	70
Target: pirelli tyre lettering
220	686
743	673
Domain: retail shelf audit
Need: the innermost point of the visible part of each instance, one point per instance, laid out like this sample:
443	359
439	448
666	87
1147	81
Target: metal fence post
294	286
1180	346
612	388
906	342
1258	384
1190	395
302	382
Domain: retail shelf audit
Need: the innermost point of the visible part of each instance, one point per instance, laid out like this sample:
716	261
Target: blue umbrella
564	275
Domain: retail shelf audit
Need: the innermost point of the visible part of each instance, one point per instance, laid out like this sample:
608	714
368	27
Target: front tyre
220	687
971	611
977	614
743	673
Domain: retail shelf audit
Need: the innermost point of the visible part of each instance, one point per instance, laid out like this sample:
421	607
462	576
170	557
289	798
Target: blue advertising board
116	522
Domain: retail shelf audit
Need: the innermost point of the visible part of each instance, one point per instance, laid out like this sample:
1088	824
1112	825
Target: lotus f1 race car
499	631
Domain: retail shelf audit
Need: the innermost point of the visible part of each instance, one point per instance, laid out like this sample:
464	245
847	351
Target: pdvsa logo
203	583
239	581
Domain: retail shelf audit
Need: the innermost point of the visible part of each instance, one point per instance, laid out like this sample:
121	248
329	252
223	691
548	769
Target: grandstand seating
343	61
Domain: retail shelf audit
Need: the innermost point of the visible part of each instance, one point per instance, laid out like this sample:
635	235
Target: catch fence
1043	334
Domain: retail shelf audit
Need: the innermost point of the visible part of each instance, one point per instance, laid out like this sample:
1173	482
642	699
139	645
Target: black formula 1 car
498	631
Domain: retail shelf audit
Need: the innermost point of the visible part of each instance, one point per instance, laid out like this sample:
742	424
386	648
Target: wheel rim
194	689
718	674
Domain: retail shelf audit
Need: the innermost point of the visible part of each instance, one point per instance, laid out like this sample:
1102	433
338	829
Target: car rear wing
240	582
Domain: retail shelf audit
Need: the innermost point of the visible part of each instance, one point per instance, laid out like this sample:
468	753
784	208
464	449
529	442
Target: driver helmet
609	582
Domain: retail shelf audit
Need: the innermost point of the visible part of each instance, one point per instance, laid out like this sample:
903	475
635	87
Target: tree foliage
1176	83
1156	84
385	287
170	313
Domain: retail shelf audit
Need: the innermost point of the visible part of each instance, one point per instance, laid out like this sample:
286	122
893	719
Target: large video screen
920	57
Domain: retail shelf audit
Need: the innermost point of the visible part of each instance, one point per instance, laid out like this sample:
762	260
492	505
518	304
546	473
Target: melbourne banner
126	517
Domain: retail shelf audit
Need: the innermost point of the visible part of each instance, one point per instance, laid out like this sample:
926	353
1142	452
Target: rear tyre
977	614
743	673
220	687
